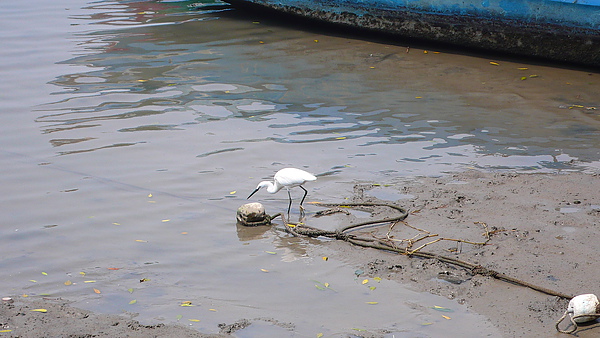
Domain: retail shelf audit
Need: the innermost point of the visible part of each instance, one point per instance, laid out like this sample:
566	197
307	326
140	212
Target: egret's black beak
254	192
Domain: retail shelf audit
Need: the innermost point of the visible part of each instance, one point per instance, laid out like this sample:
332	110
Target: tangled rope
344	234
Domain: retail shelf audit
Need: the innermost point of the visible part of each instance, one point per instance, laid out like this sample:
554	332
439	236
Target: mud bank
543	230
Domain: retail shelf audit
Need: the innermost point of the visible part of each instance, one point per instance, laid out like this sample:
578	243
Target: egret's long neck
273	187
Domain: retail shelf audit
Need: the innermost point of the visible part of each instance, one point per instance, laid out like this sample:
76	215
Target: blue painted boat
560	30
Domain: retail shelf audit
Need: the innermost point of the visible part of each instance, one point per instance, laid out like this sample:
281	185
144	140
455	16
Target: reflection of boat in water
559	30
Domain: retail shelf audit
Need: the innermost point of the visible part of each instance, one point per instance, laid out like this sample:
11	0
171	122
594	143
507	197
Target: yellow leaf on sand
33	280
141	241
264	270
89	281
377	279
45	273
194	320
133	301
97	291
4	331
67	283
319	335
325	258
213	310
150	195
494	63
372	303
82	273
232	192
365	281
446	317
166	220
40	310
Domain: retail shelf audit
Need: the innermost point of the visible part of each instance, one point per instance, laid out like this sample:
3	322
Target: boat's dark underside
550	41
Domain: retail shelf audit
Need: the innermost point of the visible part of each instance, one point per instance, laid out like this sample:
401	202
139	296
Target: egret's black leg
290	205
303	197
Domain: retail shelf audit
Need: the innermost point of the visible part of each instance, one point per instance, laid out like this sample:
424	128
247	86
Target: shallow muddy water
132	131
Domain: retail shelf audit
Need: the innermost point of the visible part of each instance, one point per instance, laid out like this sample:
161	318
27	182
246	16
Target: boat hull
566	32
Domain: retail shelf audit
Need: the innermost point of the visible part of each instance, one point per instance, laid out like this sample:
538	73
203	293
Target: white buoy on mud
581	309
584	308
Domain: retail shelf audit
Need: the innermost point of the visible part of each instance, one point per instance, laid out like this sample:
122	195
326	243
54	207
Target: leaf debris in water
442	309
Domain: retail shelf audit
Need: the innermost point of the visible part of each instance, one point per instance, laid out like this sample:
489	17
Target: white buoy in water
252	214
584	308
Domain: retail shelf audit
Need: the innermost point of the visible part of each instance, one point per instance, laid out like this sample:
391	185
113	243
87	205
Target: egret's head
262	184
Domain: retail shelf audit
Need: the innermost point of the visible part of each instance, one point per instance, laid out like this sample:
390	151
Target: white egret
288	178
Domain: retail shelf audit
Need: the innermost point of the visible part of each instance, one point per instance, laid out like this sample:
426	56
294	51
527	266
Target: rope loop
569	331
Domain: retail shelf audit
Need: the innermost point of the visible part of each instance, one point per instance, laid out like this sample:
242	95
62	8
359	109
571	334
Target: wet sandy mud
542	227
543	230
